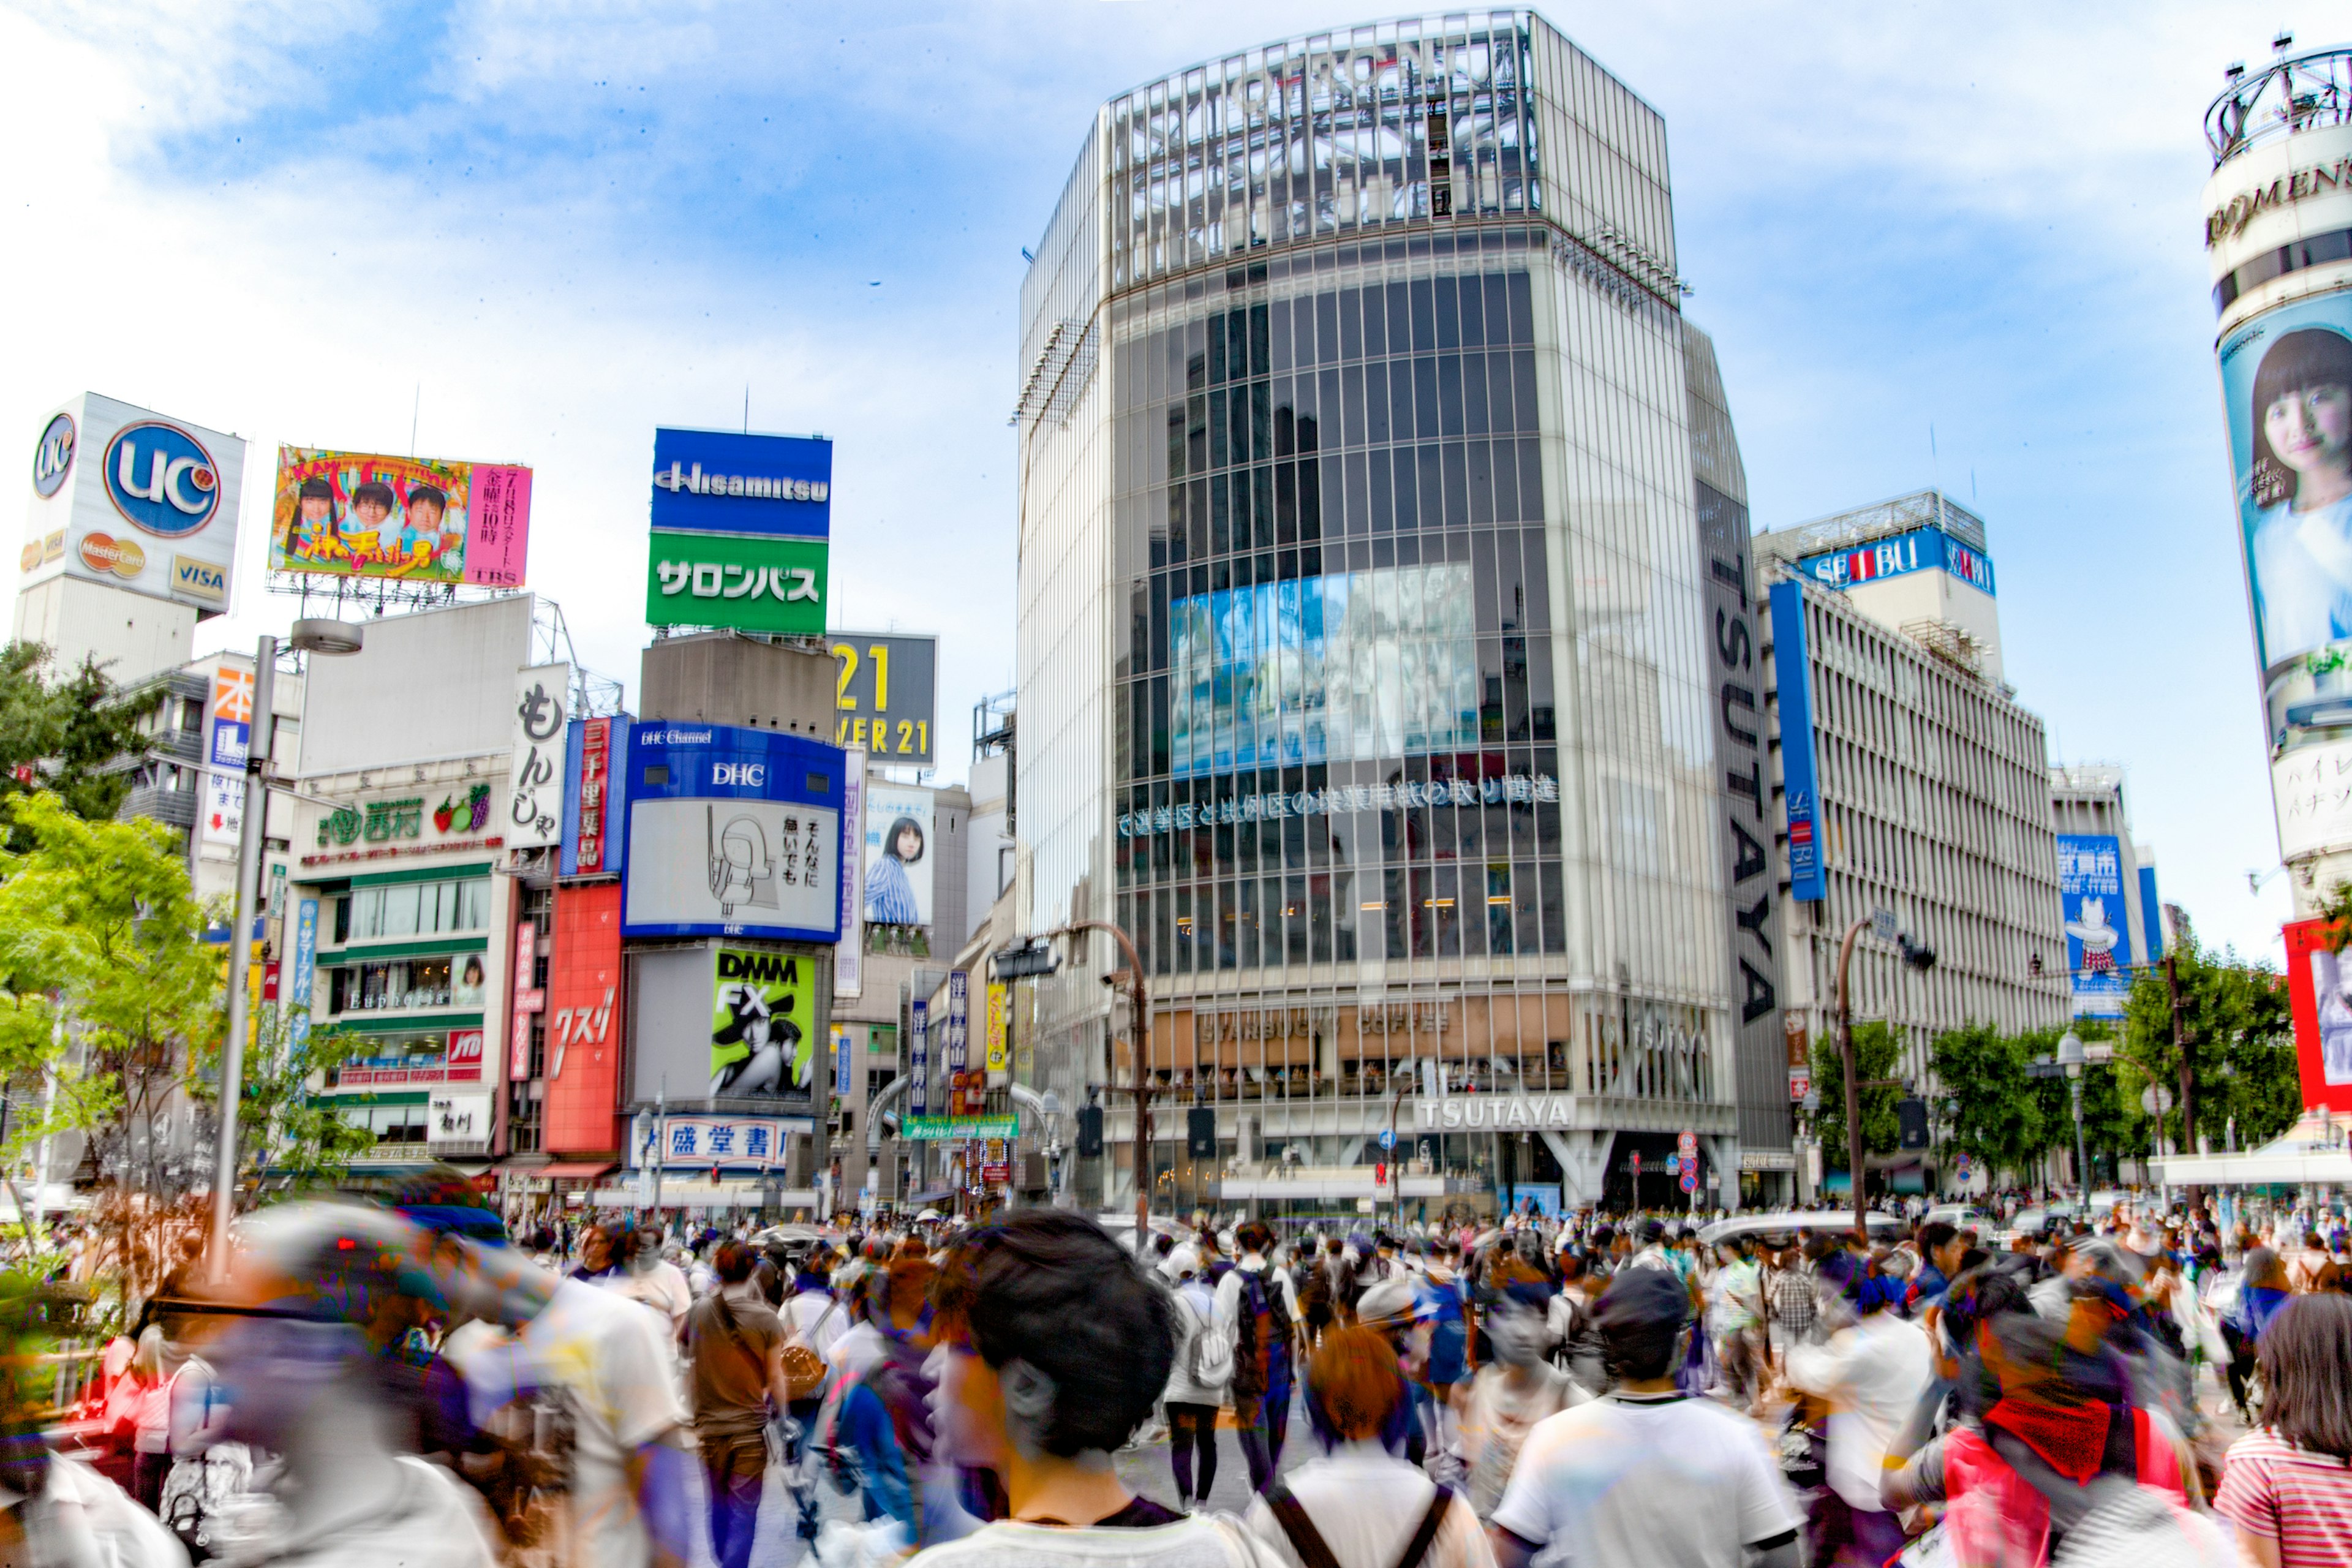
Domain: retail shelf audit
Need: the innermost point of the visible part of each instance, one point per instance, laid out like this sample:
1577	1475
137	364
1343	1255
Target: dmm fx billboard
1807	883
888	701
1921	550
2098	937
732	832
129	497
739	529
420	520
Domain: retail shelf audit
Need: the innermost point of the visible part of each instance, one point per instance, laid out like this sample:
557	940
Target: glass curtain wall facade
1364	674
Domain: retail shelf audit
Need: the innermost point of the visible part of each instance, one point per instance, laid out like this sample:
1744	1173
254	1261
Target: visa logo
199	579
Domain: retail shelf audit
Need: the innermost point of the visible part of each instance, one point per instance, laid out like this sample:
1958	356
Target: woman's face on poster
910	843
2310	428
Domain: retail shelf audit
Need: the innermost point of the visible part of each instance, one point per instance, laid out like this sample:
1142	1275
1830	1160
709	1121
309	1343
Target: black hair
317	489
2310	357
374	490
431	494
1052	1288
2306	1361
1935	1233
891	839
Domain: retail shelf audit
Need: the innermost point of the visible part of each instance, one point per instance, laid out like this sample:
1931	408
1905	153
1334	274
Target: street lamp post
321	636
1142	1088
2070	1062
1916	955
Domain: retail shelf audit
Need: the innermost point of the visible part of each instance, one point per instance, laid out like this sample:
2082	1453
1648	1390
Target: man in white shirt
1646	1474
1873	1373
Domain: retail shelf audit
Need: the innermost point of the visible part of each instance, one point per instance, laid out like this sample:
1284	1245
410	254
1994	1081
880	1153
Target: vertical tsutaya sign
1753	910
306	958
848	968
1807	883
232	733
918	1059
535	777
996	1060
529	999
2098	934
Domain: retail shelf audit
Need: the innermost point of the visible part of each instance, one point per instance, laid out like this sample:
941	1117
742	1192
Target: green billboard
736	581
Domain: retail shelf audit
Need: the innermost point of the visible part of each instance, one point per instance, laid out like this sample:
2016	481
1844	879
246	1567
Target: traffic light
1911	1116
1200	1132
1090	1132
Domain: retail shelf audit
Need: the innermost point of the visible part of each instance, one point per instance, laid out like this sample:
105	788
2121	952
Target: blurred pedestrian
2287	1484
735	1345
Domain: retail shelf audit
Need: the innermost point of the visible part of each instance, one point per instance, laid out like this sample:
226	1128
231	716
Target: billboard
229	732
1807	883
2098	936
2312	787
849	957
899	820
763	1024
2286	392
727	481
1360	664
420	520
595	803
1921	550
739	583
585	1018
732	832
132	499
888	700
535	770
2319	991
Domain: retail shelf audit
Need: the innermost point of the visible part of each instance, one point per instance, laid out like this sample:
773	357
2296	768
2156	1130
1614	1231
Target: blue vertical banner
959	994
2098	934
306	963
841	1064
2151	916
1806	882
918	1059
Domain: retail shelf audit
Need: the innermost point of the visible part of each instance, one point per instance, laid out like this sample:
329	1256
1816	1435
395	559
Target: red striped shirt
2301	1499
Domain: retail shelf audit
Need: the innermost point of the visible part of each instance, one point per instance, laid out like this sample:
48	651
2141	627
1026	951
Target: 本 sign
887	700
534	804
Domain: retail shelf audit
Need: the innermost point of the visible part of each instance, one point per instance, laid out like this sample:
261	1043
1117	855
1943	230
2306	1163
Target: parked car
1962	1217
1778	1227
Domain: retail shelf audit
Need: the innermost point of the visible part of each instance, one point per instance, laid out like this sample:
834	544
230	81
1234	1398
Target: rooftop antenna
747	409
414	403
1935	463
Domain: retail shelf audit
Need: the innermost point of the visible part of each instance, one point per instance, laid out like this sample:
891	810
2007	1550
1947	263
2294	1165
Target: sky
1948	245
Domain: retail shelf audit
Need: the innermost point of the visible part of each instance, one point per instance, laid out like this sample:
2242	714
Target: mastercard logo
104	553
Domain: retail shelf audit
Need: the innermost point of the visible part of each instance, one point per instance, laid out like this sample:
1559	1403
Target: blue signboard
724	481
161	478
595	797
919	1060
2151	915
1806	881
2098	935
731	832
306	962
1921	550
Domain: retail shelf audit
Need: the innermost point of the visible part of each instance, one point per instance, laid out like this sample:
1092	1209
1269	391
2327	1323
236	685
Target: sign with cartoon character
764	1027
421	519
733	831
2098	935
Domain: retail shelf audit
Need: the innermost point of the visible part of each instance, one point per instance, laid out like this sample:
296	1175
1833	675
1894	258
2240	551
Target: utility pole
2187	1091
252	828
1142	1088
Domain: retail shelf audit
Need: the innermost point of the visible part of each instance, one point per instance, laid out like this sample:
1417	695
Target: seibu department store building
1385	645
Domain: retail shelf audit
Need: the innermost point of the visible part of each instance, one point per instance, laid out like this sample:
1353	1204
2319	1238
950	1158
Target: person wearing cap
1646	1474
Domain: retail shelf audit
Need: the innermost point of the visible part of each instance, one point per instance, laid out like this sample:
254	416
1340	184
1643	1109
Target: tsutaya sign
1499	1111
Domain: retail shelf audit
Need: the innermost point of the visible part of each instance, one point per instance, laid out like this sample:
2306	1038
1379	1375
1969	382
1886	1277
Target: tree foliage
68	736
1875	1049
288	1138
1990	1110
2240	1034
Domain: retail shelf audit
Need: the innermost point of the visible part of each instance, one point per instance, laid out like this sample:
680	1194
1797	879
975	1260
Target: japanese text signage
2098	936
999	999
530	999
420	520
725	481
595	773
958	1001
306	962
535	775
707	1140
742	584
919	1057
954	1129
849	958
232	733
596	821
1807	882
732	832
888	696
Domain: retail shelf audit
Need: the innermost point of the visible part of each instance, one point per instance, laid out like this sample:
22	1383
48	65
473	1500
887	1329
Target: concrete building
1909	780
1365	657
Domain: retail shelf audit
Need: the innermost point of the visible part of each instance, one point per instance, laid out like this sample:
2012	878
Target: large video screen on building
1373	664
2287	386
732	832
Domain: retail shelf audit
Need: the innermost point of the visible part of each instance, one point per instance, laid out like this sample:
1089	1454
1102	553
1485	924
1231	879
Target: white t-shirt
1366	1505
1634	1481
1873	1376
1204	1540
1497	1420
663	1287
609	1358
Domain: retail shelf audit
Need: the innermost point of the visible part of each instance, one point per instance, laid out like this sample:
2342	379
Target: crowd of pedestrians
400	1382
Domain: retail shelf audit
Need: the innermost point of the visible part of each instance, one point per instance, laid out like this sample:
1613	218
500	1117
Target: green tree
288	1136
1989	1105
2107	1132
1874	1050
70	737
2240	1034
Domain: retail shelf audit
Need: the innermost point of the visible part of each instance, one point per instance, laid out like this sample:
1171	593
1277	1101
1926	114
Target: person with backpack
1198	1382
1262	1307
1361	1506
734	1346
1317	1303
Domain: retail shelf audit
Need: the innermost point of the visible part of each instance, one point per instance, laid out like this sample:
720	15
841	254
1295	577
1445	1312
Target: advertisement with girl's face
2286	380
899	860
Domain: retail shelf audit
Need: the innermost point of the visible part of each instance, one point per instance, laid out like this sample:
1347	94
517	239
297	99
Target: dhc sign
1921	550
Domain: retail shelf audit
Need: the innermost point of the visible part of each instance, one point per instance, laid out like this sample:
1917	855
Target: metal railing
2293	93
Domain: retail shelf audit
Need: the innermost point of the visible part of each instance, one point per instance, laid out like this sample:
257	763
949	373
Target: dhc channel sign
161	479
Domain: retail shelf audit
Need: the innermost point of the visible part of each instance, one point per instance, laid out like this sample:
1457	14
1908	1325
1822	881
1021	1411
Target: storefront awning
561	1170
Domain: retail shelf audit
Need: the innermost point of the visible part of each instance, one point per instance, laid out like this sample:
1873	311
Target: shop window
415	909
404	984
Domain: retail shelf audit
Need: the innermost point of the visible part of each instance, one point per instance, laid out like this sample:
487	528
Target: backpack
1315	1295
1263	1329
1208	1354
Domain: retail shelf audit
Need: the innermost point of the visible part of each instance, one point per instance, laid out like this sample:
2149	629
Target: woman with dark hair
2287	1484
2300	484
889	893
2261	1292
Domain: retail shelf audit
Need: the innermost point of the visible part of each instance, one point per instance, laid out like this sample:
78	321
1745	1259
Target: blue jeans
734	1468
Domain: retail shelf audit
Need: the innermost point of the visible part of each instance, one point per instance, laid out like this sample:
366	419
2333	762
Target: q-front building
1387	643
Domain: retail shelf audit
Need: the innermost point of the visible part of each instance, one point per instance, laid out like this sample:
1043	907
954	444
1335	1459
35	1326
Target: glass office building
1364	644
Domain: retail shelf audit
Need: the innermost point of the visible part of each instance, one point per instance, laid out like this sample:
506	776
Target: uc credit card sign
725	481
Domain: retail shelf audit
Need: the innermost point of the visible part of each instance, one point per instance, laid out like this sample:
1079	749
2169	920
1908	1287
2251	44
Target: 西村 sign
887	700
727	481
738	582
